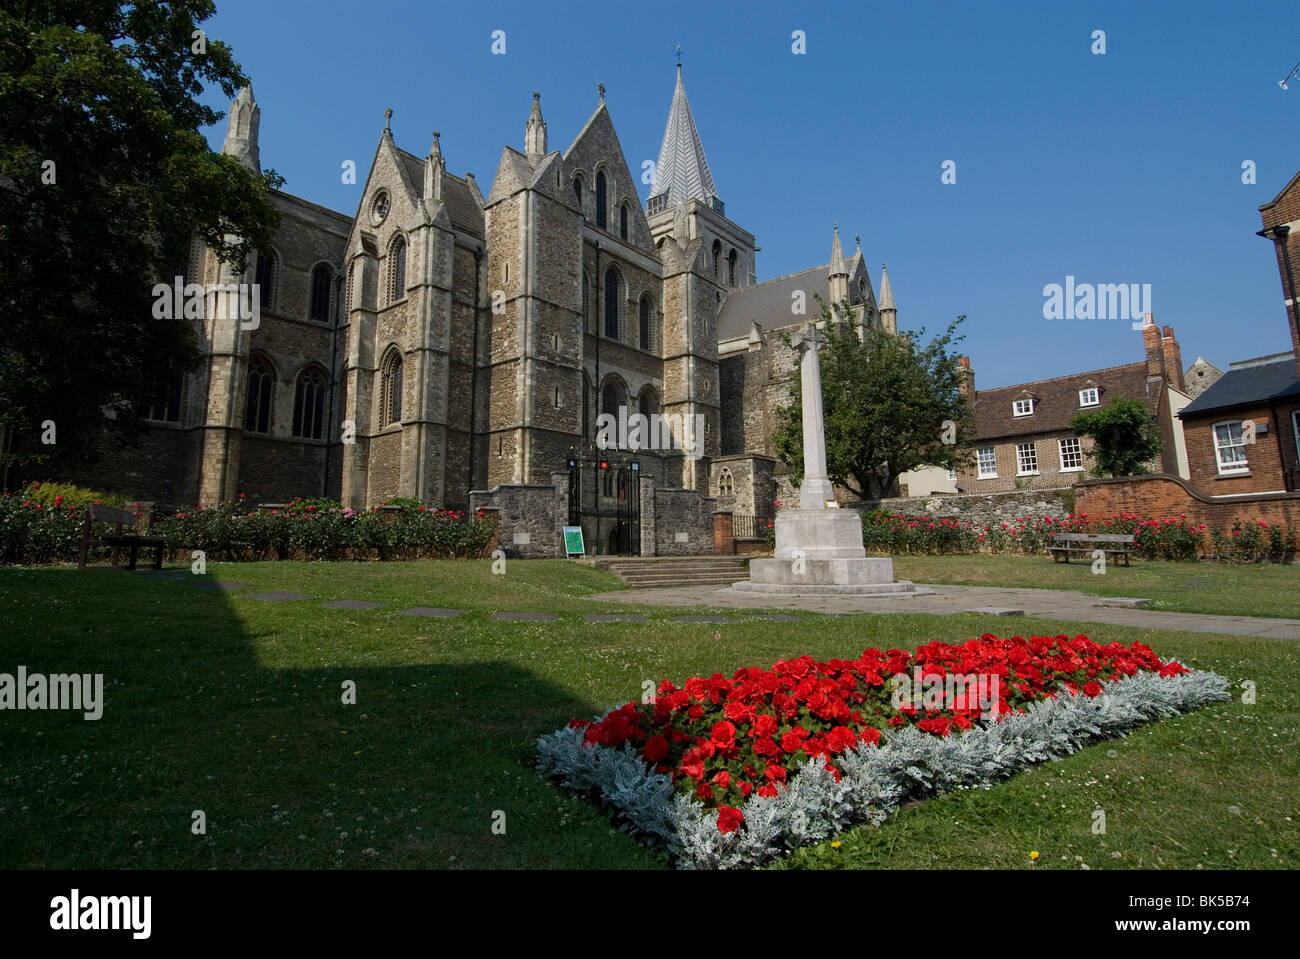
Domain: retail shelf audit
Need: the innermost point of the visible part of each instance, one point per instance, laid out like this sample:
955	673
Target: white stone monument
819	546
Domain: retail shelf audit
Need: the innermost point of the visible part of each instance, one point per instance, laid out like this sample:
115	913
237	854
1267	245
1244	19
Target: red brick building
1241	433
1023	436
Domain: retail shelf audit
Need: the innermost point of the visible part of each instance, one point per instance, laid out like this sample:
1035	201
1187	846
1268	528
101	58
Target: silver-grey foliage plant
874	780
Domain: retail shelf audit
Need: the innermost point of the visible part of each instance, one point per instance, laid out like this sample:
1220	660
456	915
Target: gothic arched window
397	290
648	402
609	399
611	303
622	221
309	404
257	400
732	261
322	279
265	279
601	211
577	189
390	389
717	258
647	329
726	484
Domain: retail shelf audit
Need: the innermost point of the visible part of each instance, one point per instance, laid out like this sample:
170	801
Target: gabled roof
682	171
466	215
1056	401
1255	384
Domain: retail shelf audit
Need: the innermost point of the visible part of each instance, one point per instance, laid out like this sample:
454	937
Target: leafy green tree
104	181
1124	438
889	405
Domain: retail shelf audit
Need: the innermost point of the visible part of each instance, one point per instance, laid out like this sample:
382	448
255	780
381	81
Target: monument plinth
819	546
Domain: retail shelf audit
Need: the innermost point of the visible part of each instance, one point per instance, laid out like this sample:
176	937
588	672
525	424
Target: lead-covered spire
682	172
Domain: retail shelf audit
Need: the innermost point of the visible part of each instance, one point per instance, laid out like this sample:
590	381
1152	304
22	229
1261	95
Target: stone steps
669	571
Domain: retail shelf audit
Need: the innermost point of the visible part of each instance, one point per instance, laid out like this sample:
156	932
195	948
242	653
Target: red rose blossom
729	819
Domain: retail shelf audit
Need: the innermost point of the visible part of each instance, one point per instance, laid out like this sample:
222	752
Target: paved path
1044	603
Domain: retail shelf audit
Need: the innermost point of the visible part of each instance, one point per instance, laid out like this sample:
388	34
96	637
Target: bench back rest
110	514
1092	538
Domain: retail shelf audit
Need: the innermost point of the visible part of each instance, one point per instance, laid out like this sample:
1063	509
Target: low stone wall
1161	495
676	522
986	509
528	519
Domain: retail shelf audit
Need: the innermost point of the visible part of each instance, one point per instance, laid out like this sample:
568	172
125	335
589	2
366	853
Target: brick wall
1271	457
1160	495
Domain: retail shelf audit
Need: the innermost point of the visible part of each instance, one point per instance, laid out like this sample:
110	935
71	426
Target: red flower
656	749
722	778
729	819
767	792
765	726
723	735
1092	689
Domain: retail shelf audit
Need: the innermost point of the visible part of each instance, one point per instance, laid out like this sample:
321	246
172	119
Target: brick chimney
1154	348
1173	358
967	386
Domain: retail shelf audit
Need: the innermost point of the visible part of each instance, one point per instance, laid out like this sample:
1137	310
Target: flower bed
1168	538
726	772
36	533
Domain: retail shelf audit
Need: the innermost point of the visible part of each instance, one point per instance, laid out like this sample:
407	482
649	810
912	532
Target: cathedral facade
442	340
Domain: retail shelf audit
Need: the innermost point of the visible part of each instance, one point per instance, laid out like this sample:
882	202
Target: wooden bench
1120	545
131	541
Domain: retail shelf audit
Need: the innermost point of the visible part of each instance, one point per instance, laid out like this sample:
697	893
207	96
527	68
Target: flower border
876	779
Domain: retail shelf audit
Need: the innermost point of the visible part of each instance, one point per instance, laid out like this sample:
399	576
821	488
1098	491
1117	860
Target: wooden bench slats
1091	543
132	542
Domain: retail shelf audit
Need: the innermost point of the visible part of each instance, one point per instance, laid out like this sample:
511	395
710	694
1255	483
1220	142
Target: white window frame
1016	408
952	476
1033	449
1237	467
993	454
1060	452
1092	392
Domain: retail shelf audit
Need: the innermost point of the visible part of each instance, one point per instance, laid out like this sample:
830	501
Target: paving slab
433	611
702	619
279	596
503	617
352	604
997	611
1124	602
1057	604
615	618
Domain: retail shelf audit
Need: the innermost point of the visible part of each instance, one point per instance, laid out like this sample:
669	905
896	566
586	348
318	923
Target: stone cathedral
444	340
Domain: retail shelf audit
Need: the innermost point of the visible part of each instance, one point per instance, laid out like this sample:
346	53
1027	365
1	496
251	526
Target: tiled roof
456	194
1056	400
1254	385
769	303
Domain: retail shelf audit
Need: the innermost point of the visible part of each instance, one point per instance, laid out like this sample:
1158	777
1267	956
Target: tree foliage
1124	438
888	404
104	181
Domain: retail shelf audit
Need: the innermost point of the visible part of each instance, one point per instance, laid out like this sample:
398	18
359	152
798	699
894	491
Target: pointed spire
838	266
241	130
888	311
682	172
535	130
886	291
434	167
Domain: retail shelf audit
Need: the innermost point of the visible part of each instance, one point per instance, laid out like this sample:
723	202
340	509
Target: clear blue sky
1122	168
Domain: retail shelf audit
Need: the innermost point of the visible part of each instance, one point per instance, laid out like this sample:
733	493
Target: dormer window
1089	397
1022	407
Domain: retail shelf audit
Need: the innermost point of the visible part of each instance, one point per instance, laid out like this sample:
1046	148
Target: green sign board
573	542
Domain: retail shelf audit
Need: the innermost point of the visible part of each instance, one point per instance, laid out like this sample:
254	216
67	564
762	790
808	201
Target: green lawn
219	702
1257	590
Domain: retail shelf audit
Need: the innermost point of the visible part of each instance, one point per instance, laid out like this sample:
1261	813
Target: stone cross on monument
819	550
816	491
